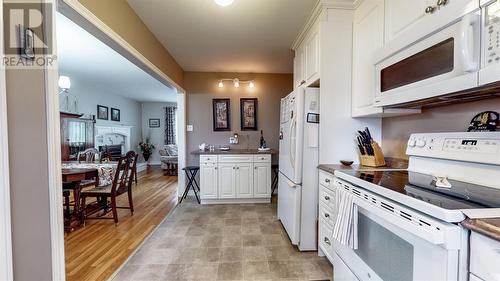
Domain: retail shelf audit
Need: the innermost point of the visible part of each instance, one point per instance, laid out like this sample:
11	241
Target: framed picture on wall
115	114
154	123
221	114
248	114
102	112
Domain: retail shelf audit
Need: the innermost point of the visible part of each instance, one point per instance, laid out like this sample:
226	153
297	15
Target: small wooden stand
377	160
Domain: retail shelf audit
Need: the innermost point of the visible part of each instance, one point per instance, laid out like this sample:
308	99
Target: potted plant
146	148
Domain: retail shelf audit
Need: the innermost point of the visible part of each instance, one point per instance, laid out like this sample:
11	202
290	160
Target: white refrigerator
298	161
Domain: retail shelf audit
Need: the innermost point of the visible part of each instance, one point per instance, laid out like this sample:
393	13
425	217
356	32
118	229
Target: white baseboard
142	167
154	163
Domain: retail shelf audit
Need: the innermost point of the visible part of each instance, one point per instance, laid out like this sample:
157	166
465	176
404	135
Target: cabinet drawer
325	237
208	159
326	214
484	257
235	158
326	179
262	158
327	197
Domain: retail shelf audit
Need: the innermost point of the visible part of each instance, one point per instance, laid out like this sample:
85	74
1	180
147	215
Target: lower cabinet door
208	181
244	180
262	180
227	181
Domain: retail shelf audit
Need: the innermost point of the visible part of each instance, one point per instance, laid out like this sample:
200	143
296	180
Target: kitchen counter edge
234	152
487	227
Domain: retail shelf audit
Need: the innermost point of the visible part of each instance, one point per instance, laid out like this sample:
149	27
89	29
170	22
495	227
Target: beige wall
120	17
202	88
29	188
453	118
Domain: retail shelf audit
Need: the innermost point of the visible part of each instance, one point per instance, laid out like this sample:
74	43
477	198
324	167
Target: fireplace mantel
113	135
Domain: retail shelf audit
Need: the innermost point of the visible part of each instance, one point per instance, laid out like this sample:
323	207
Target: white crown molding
318	9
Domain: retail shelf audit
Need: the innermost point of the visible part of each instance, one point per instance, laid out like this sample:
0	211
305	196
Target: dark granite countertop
487	227
234	151
391	163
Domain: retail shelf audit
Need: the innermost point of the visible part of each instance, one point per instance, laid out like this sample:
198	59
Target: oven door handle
389	217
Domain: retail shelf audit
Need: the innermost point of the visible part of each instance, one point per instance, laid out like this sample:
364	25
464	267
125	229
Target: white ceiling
248	36
88	61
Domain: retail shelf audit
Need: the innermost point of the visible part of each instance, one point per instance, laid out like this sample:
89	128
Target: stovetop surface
422	187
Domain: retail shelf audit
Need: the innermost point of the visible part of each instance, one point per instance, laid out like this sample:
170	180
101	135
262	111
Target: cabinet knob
327	197
442	2
327	180
327	241
327	215
430	10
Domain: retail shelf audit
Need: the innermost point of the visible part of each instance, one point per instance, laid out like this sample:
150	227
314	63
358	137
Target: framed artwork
248	114
154	123
221	114
115	114
102	112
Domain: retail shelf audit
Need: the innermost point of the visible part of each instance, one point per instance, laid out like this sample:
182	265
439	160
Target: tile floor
222	242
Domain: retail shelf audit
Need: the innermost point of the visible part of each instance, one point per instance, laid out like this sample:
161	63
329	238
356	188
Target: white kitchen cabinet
484	257
262	180
299	71
244	180
235	178
402	14
368	37
208	179
226	181
312	56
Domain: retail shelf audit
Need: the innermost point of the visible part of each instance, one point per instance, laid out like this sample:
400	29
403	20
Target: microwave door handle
469	45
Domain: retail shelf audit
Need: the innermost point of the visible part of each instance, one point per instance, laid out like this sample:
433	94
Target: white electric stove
408	219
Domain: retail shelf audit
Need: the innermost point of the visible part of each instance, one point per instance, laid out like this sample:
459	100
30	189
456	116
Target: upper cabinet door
299	66
368	38
312	57
402	14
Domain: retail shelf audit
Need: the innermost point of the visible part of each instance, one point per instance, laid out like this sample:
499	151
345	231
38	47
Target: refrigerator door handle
293	143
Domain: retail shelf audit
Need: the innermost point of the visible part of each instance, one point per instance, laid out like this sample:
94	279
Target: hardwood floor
97	250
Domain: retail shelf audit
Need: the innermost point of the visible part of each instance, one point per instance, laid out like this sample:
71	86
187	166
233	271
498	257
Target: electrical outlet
189	128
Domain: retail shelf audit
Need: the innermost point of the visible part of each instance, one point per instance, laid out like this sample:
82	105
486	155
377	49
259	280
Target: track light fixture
236	83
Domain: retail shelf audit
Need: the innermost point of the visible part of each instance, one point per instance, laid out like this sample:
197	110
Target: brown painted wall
453	118
120	17
202	88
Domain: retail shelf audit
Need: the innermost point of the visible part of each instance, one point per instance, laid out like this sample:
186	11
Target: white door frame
74	10
6	270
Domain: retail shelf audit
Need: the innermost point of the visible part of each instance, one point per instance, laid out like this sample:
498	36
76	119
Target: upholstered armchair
168	158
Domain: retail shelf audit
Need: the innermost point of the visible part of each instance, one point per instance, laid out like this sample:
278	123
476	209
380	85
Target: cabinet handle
255	168
216	168
430	10
442	2
327	180
302	82
327	241
327	197
234	168
327	215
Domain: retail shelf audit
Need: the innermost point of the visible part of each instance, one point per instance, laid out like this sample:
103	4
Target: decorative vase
146	155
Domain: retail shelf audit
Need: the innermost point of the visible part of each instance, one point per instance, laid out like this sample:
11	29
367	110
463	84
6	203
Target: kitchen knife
369	135
360	146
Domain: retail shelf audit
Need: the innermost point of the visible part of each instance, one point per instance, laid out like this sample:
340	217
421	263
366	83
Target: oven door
445	62
392	248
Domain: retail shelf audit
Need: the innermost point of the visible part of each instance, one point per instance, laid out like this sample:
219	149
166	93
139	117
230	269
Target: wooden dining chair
122	183
87	155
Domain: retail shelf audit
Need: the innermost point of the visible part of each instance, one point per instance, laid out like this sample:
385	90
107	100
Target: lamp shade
64	82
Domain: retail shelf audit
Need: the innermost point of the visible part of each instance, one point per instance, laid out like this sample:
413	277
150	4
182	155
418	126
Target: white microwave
460	56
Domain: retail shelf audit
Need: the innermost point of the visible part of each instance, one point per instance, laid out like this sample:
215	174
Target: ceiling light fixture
224	3
236	83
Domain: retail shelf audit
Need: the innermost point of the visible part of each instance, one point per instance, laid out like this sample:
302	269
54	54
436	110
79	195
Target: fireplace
114	150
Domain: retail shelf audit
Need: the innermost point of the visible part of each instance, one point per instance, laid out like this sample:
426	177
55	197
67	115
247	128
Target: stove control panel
480	147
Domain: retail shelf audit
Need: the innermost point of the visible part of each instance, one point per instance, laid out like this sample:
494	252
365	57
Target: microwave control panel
492	28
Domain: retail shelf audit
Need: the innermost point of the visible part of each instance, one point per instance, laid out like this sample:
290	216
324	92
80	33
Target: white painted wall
88	97
154	110
337	128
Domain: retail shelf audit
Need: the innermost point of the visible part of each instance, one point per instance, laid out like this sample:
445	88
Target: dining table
74	174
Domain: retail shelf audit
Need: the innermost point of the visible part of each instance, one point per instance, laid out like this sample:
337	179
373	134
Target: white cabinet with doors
298	71
312	57
368	37
237	178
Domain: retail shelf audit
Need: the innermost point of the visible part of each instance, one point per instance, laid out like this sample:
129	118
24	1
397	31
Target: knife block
377	160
